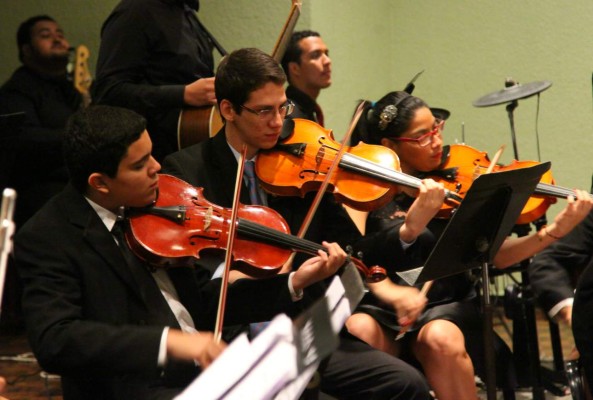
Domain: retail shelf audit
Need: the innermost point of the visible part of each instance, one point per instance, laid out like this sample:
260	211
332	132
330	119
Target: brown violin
463	164
366	179
182	225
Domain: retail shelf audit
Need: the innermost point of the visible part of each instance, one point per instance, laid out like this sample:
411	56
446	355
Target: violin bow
427	285
315	205
424	291
230	243
495	159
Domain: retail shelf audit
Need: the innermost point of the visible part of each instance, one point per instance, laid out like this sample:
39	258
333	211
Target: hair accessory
387	115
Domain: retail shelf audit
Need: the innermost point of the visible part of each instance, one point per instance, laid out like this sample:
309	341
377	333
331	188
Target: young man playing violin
97	316
251	98
401	235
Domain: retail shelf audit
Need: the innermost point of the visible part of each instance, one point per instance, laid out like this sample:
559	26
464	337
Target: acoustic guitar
196	124
82	75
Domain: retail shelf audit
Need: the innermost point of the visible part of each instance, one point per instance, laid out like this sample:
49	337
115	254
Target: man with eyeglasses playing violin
251	97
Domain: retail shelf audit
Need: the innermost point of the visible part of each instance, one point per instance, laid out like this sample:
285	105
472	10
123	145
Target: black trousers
358	371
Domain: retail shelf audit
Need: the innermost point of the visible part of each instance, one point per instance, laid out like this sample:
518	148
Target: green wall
466	48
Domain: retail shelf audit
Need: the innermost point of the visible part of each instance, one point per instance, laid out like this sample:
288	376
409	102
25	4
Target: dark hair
23	35
293	50
97	139
377	123
244	71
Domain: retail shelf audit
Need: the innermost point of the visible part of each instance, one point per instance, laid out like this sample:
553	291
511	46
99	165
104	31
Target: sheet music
246	367
280	362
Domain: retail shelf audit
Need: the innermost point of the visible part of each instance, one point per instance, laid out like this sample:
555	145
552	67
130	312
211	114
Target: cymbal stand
510	108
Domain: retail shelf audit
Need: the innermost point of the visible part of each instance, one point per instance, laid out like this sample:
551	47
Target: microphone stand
6	232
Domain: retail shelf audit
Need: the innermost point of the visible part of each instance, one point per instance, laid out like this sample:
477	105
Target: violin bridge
320	156
477	172
208	218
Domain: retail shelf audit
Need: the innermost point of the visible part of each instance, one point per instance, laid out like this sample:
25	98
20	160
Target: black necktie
147	285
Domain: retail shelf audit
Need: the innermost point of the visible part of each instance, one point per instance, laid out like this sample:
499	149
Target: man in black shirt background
31	150
39	88
155	58
307	66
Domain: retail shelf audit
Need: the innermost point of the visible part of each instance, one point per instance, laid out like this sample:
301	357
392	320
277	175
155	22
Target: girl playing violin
400	236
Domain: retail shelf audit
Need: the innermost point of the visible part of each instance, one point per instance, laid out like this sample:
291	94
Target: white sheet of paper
243	358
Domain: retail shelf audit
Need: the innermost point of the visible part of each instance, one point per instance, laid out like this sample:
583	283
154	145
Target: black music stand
472	238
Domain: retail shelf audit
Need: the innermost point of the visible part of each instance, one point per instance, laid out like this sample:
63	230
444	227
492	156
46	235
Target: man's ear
26	50
227	110
294	69
97	181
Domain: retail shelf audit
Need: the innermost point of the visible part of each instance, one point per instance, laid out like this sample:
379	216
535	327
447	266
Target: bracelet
550	235
543	232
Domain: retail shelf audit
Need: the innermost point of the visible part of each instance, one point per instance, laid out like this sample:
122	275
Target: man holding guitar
155	58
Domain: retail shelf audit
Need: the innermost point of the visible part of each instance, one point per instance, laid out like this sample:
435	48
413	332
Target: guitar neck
82	75
284	38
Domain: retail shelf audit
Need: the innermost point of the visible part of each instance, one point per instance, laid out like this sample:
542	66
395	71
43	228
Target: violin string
365	167
270	235
557	191
361	165
273	236
545	188
378	171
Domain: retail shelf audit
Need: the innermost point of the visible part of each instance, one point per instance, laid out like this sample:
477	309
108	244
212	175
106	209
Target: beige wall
467	49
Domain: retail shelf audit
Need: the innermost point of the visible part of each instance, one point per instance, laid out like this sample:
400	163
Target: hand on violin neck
577	208
431	196
317	268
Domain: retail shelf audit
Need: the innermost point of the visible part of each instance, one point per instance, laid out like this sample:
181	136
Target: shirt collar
301	98
109	218
238	155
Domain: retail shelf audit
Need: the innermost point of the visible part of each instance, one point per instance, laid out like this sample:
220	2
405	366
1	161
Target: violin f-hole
310	171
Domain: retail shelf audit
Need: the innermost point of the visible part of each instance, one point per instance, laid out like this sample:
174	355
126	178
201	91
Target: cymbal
514	92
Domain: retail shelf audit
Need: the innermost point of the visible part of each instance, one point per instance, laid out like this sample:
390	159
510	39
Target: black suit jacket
582	310
91	320
554	271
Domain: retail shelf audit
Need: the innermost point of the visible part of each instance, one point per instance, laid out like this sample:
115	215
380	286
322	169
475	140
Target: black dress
453	298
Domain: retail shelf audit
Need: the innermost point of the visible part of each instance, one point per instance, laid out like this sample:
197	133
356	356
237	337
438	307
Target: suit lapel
98	238
225	166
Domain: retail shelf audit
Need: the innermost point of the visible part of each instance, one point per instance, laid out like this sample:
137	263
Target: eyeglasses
425	139
268	113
